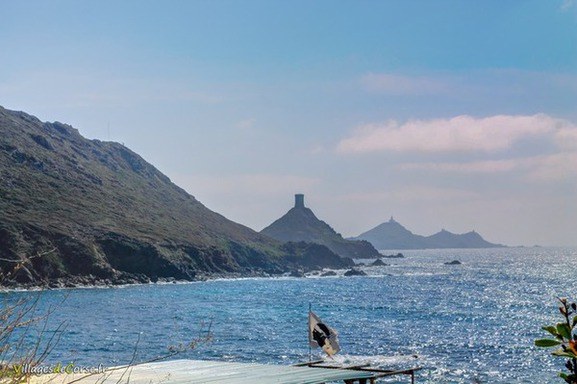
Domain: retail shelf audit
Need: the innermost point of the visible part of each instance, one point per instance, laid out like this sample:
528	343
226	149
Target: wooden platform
200	371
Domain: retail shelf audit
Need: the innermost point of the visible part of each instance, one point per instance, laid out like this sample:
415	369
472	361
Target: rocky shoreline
75	282
94	282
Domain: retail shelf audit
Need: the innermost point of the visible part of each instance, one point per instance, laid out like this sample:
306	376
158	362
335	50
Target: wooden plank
198	371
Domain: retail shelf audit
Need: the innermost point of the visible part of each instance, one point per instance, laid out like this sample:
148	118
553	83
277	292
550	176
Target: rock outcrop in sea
300	224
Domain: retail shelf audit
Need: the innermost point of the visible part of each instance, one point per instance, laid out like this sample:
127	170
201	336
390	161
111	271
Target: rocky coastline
80	212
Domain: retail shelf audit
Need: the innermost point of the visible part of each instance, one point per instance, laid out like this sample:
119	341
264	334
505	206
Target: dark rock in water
454	262
355	272
397	256
379	263
328	273
360	264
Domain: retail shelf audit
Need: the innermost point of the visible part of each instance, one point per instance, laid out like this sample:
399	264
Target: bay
469	323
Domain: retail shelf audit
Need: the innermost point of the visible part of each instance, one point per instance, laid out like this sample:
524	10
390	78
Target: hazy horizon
448	115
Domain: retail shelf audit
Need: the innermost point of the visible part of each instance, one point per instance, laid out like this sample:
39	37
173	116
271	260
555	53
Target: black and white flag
321	335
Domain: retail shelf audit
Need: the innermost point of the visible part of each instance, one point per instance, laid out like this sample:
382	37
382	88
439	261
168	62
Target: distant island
301	224
392	235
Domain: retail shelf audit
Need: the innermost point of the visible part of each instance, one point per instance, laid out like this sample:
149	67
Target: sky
456	115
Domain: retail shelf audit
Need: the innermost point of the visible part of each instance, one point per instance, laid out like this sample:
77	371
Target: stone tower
299	200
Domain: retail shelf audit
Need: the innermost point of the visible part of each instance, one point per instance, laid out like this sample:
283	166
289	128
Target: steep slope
96	211
300	224
392	235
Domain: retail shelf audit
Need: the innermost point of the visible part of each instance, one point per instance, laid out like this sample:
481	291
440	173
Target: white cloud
402	85
463	134
458	134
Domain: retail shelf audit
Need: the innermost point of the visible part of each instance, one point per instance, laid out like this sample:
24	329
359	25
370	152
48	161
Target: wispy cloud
568	4
547	168
458	134
246	123
558	167
488	166
566	138
410	193
555	167
501	89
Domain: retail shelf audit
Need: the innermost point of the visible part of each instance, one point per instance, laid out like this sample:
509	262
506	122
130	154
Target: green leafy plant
565	338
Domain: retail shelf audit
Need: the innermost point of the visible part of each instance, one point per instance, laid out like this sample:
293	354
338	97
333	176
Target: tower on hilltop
299	200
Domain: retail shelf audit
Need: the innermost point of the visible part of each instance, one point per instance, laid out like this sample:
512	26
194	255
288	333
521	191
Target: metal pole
308	333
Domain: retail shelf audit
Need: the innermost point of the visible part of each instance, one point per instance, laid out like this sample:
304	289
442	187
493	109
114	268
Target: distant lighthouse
299	200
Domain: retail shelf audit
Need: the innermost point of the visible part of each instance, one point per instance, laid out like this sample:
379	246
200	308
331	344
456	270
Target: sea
470	323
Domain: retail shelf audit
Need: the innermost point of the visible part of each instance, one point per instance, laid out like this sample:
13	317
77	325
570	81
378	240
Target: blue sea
469	323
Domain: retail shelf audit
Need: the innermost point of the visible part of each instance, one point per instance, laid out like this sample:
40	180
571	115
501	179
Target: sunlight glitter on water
469	323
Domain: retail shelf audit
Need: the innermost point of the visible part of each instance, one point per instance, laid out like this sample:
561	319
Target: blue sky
447	114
